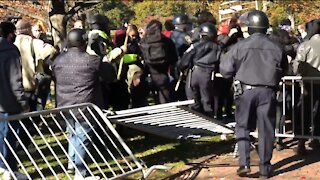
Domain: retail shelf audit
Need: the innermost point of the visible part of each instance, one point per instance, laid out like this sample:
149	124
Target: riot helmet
258	22
182	23
206	16
208	31
99	22
181	19
77	38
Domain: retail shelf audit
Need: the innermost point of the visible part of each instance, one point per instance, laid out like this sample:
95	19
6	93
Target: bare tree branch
80	6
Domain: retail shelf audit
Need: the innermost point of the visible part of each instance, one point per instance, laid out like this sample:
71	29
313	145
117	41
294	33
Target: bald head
23	27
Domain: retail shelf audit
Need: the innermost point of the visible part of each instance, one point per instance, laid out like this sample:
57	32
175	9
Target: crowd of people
188	60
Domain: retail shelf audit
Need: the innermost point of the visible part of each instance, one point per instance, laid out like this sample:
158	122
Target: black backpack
153	47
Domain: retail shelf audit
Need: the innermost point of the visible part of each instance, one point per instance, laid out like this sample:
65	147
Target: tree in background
61	12
117	11
147	10
141	11
300	11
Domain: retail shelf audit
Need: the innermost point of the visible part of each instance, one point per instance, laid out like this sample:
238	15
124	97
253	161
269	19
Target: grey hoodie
12	99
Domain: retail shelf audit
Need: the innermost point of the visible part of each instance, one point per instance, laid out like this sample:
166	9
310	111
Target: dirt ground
286	165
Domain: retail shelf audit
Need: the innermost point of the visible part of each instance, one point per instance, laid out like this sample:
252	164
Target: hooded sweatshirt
12	99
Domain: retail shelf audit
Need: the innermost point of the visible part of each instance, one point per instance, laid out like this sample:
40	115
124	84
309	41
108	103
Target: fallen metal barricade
170	120
300	107
46	154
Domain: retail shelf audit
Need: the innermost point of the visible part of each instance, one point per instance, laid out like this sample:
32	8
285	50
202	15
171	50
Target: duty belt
249	87
205	69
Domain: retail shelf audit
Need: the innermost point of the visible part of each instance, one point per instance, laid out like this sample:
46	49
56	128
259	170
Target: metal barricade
171	120
300	107
44	152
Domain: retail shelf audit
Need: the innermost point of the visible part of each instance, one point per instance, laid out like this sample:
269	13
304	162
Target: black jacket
179	39
171	54
205	54
77	78
227	42
255	61
12	99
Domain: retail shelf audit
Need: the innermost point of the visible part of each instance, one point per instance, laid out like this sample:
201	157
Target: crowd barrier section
171	120
43	152
300	108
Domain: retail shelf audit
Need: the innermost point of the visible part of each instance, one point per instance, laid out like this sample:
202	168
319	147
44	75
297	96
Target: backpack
153	47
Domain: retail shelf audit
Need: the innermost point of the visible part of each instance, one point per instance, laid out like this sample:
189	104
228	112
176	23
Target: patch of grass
152	150
176	154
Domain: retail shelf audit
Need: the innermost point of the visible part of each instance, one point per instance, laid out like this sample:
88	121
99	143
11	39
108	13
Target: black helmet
257	22
181	19
98	21
77	37
208	30
206	16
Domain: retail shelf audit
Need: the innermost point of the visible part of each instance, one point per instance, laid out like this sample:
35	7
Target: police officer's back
257	65
203	59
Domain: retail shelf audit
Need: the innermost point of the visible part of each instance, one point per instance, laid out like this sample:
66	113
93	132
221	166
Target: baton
179	81
121	60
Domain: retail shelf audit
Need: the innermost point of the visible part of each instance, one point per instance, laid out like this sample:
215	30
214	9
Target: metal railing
300	107
171	120
44	149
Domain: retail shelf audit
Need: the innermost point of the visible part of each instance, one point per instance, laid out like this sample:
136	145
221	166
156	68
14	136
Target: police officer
258	65
179	35
203	59
182	42
203	17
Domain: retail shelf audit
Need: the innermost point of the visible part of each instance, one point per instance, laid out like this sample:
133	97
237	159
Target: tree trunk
58	22
58	29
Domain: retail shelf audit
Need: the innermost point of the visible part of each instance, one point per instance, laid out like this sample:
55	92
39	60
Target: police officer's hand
124	48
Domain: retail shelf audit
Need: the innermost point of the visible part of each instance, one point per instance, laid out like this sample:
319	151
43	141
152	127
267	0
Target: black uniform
258	64
203	58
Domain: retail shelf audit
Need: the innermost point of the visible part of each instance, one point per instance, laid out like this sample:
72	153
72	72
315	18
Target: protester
307	63
34	53
78	24
159	59
12	98
169	27
77	81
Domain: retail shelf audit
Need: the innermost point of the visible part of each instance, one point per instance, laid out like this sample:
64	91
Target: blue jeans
5	132
76	151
